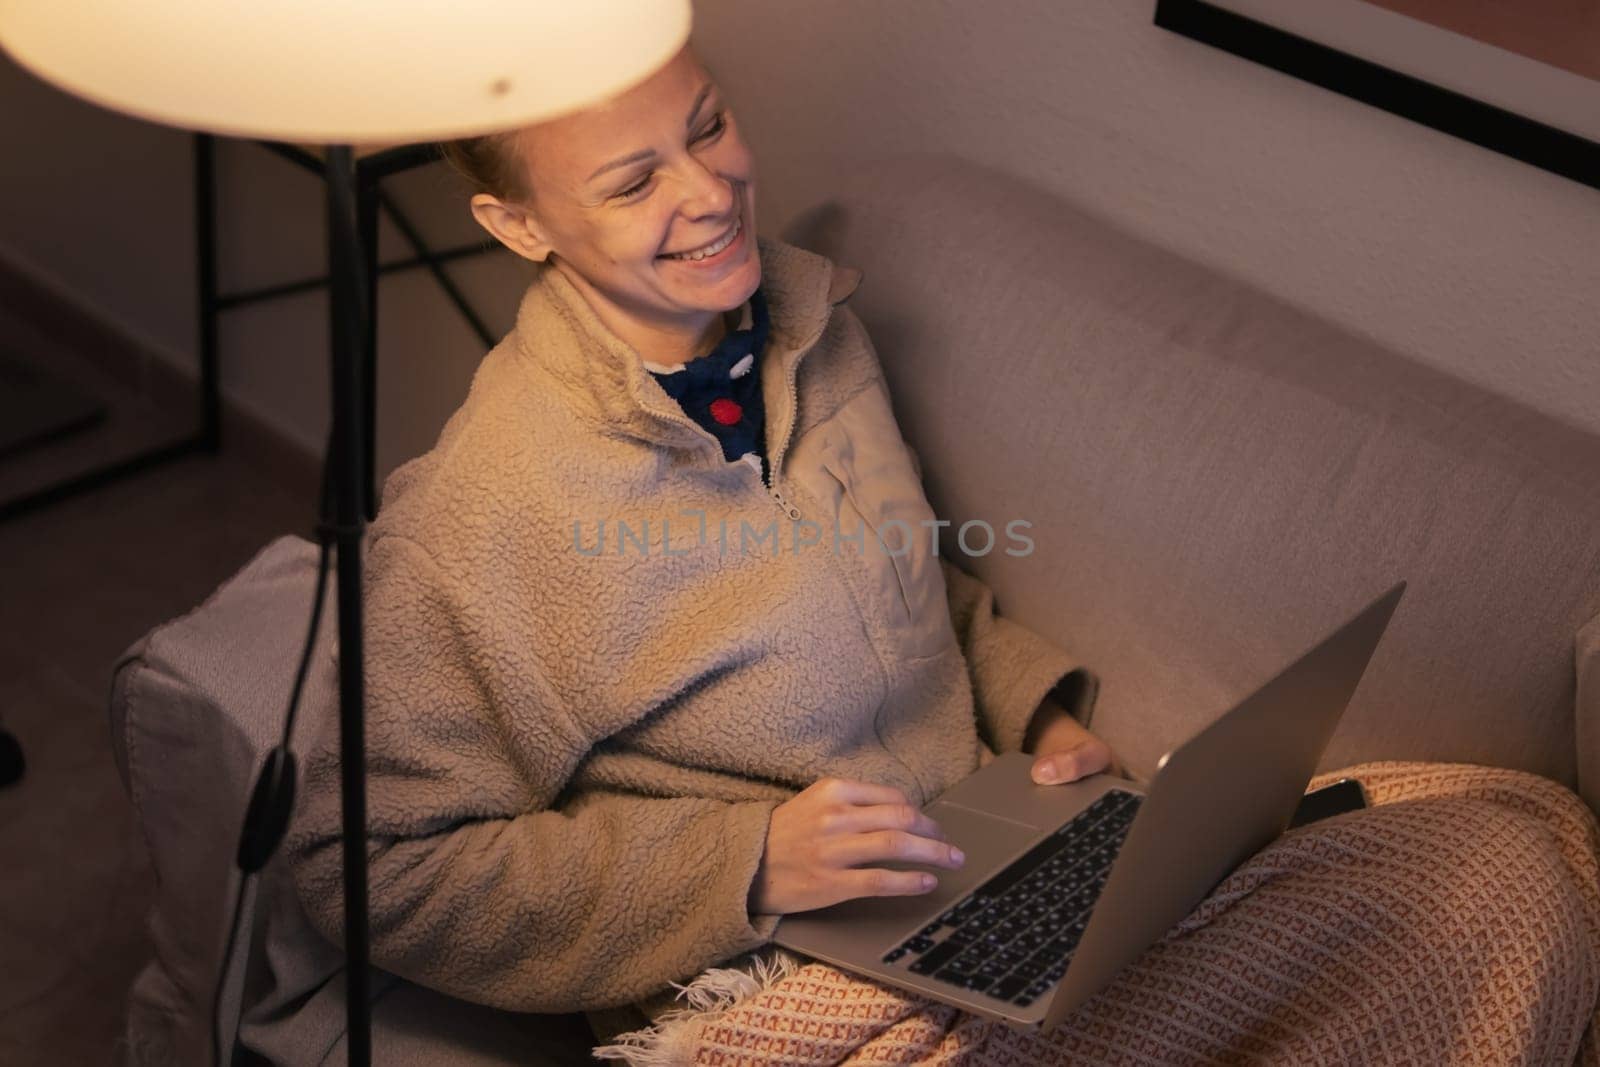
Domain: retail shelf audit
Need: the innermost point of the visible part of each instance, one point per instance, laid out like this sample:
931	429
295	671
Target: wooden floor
79	582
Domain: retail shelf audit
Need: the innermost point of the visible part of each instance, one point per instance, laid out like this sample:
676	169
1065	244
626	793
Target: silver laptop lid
1217	799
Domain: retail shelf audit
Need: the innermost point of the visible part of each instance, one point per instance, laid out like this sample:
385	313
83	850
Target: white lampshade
344	71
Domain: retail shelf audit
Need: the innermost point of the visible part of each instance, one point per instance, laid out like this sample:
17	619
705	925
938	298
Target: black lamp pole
347	465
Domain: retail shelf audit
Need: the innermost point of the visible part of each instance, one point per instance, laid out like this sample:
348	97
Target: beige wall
100	208
96	204
1456	256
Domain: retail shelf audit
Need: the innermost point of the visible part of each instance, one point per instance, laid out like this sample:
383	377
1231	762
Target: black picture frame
1547	147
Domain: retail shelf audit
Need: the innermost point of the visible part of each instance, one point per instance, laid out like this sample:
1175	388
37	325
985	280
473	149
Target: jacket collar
605	377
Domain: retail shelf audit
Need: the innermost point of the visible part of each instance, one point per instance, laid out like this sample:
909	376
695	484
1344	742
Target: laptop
1064	885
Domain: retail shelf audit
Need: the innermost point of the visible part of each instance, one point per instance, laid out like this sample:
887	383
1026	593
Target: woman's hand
822	841
1065	751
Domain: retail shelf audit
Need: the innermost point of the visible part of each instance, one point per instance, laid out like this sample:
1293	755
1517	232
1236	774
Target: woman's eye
715	127
634	190
712	130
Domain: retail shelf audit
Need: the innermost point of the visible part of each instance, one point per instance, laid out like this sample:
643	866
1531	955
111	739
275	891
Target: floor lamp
337	74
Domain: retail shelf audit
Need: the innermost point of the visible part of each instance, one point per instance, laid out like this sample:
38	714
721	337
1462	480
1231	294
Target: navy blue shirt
722	389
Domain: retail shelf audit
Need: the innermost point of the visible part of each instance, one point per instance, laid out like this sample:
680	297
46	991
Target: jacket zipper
771	490
784	505
783	446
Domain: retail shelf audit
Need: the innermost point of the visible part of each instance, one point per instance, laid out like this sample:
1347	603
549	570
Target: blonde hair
491	164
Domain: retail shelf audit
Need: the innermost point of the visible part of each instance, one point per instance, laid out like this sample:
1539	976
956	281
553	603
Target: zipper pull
788	508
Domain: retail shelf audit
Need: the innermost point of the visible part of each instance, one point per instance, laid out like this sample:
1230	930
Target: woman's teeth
710	249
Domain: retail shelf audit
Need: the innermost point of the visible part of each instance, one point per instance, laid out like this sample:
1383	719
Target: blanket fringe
670	1040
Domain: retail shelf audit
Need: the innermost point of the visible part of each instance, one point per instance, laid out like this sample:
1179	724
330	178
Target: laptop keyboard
1012	937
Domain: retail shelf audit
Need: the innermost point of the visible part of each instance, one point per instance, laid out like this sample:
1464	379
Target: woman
642	675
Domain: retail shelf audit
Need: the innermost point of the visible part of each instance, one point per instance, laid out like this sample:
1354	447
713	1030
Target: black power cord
271	802
11	761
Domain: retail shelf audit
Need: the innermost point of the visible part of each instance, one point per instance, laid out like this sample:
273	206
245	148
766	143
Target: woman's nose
708	193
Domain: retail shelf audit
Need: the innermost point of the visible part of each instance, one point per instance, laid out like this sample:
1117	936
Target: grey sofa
1213	480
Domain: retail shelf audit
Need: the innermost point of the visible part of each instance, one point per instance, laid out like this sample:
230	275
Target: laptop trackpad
1005	786
841	932
990	841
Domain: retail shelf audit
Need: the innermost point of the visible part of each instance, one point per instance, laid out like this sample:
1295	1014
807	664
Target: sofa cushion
1217	479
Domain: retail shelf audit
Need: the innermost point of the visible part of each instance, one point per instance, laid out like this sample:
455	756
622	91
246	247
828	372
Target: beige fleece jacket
574	754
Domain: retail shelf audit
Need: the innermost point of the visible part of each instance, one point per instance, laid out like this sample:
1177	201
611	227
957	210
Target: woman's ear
515	227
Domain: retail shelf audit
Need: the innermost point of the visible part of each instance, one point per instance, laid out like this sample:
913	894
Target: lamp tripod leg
347	464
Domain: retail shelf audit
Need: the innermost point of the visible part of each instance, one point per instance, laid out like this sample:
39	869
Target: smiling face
620	191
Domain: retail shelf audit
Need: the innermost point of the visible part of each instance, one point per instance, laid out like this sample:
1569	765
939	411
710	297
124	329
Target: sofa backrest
1216	479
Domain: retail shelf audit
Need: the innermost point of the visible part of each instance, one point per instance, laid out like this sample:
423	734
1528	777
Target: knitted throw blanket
1456	921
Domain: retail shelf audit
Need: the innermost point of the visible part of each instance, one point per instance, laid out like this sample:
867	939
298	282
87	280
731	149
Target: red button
726	411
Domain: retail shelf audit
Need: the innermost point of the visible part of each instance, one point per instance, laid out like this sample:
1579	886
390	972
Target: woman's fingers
877	882
856	807
864	818
847	827
856	849
1089	756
